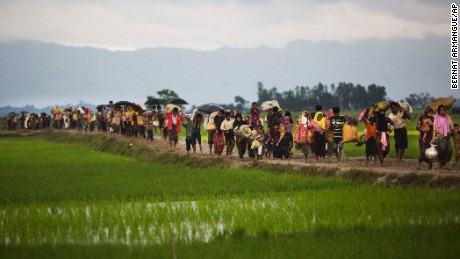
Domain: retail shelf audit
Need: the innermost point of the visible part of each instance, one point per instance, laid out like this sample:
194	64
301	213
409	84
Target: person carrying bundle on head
383	134
443	129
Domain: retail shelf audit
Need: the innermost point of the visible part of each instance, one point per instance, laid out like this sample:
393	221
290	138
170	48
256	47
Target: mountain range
44	74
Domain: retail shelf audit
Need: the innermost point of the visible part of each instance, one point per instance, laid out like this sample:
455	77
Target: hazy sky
210	24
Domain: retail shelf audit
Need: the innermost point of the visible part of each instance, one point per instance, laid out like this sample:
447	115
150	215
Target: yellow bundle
56	110
140	120
448	102
381	106
129	111
329	134
255	144
350	133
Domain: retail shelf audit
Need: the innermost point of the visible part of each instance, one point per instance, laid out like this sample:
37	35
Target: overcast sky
211	24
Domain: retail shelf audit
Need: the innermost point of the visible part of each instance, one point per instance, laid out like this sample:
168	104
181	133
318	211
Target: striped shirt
337	123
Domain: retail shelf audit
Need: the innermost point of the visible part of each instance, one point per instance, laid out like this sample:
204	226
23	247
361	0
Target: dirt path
393	172
391	166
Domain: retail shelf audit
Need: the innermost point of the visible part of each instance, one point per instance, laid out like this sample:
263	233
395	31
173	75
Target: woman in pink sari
443	129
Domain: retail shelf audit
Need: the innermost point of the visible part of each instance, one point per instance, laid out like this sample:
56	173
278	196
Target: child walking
190	141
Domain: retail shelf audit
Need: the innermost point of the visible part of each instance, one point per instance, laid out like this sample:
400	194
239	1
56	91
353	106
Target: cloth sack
255	144
300	135
350	133
381	106
329	134
448	102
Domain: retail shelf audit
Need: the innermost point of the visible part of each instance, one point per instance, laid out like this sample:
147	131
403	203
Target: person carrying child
425	126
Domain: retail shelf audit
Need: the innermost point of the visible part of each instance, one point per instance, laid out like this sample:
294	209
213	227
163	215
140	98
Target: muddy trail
405	173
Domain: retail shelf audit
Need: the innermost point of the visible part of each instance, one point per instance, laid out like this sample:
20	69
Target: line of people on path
439	130
318	133
28	121
322	134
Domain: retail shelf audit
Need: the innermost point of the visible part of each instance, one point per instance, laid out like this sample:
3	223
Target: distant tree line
347	96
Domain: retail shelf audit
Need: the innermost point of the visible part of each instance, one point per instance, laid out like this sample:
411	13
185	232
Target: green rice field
60	200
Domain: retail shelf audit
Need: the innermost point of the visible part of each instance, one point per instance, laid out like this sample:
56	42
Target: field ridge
393	173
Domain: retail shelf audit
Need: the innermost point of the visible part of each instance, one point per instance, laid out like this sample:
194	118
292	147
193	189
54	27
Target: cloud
210	24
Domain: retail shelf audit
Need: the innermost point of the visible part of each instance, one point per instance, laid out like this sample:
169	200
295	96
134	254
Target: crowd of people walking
273	136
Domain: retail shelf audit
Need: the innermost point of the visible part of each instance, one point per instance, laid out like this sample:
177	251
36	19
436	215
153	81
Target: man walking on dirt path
398	116
172	121
337	121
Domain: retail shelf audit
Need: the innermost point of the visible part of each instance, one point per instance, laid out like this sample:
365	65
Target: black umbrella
123	103
209	108
154	101
100	107
137	108
178	101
